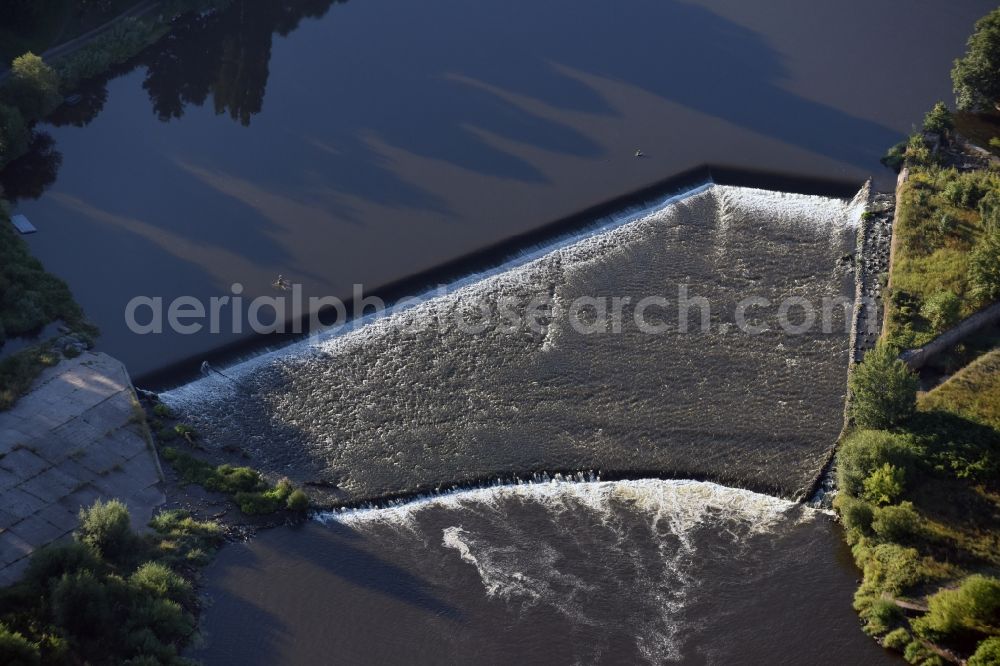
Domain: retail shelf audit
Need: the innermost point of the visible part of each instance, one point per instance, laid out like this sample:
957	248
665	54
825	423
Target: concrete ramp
75	438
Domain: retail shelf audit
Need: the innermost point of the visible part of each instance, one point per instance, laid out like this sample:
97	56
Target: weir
382	410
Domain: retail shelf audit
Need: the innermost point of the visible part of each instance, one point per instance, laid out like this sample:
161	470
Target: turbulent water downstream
444	391
564	573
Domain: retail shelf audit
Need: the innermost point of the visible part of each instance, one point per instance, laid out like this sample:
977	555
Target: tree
977	85
33	87
973	608
865	451
938	120
917	153
883	389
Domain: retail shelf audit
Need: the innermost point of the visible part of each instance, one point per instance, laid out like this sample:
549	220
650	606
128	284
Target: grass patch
939	222
973	392
110	596
19	370
251	492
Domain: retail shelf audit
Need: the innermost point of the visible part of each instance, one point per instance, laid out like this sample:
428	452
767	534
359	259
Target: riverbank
917	476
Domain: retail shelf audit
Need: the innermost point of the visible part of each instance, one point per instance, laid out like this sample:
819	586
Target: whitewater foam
388	407
523	569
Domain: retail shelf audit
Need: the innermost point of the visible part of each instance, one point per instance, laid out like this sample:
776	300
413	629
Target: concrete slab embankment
73	439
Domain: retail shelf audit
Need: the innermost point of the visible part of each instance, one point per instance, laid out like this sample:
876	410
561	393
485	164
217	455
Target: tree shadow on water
241	627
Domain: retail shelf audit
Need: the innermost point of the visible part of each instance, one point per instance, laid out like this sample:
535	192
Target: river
563	573
371	140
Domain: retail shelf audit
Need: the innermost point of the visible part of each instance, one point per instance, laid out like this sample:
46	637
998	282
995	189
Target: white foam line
214	384
782	207
672	500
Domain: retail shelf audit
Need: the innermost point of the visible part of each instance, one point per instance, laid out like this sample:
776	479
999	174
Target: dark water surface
571	573
361	142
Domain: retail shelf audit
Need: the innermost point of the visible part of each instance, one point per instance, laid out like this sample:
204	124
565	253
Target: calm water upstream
364	141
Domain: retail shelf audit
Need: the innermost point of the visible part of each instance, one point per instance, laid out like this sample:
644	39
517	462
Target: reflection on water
376	139
561	573
30	175
224	55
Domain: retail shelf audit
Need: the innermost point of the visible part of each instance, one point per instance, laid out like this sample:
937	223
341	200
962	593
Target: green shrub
898	522
938	120
879	616
82	605
155	579
253	503
987	653
989	210
972	609
883	389
16	650
75	608
892	568
947	224
917	153
895	157
33	87
977	86
161	618
297	501
897	639
884	485
967	190
942	310
185	540
230	479
247	487
124	40
856	515
267	501
918	653
56	559
864	451
162	411
984	268
107	528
